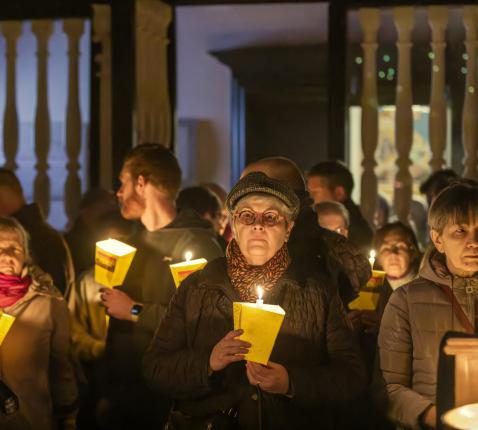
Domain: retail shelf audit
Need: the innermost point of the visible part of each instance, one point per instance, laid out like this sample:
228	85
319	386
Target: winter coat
48	248
149	282
315	344
34	360
88	318
413	324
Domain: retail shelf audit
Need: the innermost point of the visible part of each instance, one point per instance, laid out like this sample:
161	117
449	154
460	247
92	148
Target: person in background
382	212
82	235
441	299
34	356
89	322
150	180
331	180
436	182
333	216
48	248
196	355
207	205
311	244
399	256
221	194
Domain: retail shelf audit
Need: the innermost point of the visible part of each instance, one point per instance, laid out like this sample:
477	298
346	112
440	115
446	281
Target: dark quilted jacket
315	344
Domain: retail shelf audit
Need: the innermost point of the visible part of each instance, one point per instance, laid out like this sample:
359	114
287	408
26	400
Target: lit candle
260	292
188	255
371	258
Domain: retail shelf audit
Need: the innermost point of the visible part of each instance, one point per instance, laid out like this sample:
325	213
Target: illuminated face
395	255
319	189
12	254
259	241
132	204
333	222
459	243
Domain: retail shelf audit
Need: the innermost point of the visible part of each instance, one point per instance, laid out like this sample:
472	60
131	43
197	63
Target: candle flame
188	255
260	292
372	253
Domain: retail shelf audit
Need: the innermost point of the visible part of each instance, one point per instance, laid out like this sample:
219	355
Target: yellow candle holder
112	262
261	324
181	271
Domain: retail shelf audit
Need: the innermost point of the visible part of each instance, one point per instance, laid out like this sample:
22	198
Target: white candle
188	255
260	292
371	258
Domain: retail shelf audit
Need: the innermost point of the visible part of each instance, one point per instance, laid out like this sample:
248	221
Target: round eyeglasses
268	218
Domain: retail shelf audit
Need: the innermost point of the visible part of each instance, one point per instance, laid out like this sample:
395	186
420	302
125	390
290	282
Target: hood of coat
434	269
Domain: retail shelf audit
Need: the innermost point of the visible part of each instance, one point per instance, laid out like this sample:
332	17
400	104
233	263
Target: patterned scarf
12	288
245	277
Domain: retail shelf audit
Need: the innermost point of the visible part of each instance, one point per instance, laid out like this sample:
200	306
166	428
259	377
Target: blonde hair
12	225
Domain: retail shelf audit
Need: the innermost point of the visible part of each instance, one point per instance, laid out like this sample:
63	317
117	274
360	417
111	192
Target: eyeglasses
268	219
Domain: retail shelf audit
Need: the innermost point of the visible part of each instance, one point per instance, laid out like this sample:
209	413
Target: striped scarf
245	278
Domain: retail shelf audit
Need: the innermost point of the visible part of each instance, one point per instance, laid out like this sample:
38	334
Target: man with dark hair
206	204
331	180
436	182
49	250
150	179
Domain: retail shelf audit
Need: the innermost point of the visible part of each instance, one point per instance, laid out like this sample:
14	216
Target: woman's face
260	240
12	254
395	255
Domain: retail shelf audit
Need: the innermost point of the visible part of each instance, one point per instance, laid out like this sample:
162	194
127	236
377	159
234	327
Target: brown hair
408	236
156	164
457	203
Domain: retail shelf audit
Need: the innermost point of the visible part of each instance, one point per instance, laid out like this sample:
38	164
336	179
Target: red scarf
12	289
245	277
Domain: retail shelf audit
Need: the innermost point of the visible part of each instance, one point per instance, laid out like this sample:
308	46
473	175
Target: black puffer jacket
315	345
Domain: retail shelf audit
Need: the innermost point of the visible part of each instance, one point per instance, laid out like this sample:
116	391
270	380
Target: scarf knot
246	277
12	288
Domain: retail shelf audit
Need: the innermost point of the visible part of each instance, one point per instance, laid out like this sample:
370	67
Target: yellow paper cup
377	279
112	262
181	271
6	322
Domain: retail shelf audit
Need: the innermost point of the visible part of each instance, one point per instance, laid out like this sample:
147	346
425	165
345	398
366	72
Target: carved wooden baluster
438	18
74	29
11	31
470	15
370	21
403	17
153	110
102	35
42	29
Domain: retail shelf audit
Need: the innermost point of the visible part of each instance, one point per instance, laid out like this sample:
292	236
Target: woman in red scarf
198	359
34	354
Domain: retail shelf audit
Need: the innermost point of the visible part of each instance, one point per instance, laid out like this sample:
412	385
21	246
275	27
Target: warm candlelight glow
260	293
371	258
188	255
464	417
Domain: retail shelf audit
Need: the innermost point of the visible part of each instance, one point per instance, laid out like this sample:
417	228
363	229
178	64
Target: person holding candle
150	180
442	298
34	359
198	358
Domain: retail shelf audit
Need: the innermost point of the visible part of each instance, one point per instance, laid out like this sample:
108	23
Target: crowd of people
150	355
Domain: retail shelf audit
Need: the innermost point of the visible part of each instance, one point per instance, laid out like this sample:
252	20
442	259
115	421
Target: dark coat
328	252
48	248
360	232
149	282
315	344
